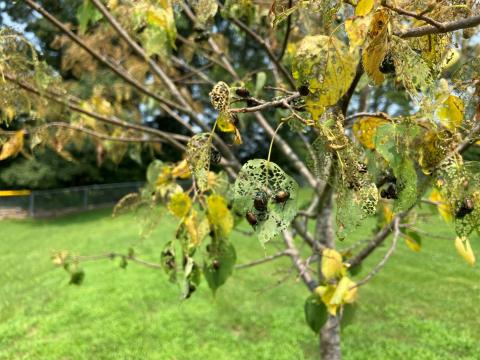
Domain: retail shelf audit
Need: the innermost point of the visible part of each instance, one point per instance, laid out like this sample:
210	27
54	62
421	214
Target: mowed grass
420	306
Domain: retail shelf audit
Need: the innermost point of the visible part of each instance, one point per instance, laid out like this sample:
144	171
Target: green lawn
421	306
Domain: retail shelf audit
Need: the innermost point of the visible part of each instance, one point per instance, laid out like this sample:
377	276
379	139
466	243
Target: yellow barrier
15	192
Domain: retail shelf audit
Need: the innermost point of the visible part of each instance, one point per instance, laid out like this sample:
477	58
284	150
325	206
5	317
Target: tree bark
330	332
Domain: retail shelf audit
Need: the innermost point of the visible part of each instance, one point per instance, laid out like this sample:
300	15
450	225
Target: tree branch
264	260
388	254
447	27
288	27
104	136
100	117
266	104
420	16
297	261
264	45
113	255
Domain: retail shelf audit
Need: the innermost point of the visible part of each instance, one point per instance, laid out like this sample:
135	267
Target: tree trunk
330	332
330	339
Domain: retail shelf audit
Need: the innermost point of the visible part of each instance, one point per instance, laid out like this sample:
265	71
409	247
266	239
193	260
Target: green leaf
259	177
348	314
391	143
220	265
325	65
260	83
205	10
77	276
198	158
87	13
316	314
153	171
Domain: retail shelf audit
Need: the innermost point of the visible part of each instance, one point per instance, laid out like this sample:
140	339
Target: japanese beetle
303	90
260	201
251	218
387	66
389	193
215	157
216	264
465	209
242	92
362	167
281	197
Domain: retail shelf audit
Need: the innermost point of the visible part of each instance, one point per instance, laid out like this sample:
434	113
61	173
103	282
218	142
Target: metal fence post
85	198
31	205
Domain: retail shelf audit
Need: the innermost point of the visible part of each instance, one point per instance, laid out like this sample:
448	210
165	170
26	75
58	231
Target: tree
370	104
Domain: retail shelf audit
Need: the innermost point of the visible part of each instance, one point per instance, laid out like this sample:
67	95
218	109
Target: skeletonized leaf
462	244
198	158
261	178
410	68
326	66
377	46
205	10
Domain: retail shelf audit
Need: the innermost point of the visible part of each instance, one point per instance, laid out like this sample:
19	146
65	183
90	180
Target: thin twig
420	16
267	104
264	260
388	254
113	255
297	261
447	27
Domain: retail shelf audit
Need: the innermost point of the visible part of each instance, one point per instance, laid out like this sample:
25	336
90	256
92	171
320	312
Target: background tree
370	104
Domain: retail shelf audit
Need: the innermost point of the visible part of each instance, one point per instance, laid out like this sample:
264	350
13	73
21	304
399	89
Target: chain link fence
50	203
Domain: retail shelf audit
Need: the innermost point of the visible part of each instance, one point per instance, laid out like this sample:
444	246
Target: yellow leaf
331	264
181	170
356	29
442	205
365	130
165	176
326	65
412	244
224	122
314	108
364	7
343	292
377	47
218	214
13	146
180	204
462	244
9	113
326	294
451	112
196	228
387	212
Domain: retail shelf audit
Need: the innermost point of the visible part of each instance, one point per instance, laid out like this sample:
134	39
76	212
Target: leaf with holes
377	46
198	158
266	179
326	66
219	268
